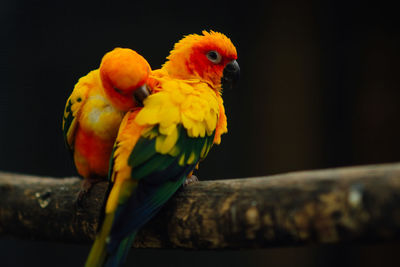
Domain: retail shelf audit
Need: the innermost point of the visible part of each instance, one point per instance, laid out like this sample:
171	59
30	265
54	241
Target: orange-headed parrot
95	110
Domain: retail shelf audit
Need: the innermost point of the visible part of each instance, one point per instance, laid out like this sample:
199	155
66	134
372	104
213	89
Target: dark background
319	88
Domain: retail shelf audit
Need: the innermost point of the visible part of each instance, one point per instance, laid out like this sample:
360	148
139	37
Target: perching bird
95	110
159	145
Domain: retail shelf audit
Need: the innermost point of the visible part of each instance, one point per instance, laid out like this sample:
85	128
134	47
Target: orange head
123	72
210	57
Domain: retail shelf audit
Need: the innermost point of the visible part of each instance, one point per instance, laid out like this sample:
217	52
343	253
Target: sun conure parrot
95	110
160	144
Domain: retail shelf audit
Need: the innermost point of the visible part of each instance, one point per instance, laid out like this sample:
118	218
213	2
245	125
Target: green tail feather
119	257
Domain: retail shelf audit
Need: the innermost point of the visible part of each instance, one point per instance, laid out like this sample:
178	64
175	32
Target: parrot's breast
101	118
92	154
193	104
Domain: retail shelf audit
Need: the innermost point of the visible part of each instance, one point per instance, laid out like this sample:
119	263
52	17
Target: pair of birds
146	130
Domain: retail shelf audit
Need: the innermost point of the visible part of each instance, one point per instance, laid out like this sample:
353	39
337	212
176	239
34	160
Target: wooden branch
354	204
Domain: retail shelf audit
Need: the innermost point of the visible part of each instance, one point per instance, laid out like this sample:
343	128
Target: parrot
95	109
160	144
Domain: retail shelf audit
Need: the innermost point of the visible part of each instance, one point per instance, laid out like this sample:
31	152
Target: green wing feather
159	175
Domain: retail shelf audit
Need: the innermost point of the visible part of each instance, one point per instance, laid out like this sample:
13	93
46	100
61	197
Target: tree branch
354	204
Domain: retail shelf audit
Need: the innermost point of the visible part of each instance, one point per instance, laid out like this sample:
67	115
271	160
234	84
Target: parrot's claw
80	197
86	186
191	180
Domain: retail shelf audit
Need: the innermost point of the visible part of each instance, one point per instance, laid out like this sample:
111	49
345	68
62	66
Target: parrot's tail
98	253
118	258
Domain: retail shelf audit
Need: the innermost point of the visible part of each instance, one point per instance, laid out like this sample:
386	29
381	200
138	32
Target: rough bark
354	204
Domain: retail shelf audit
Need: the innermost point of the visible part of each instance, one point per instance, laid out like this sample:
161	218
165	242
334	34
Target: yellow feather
149	133
169	142
170	85
221	127
160	142
112	201
211	121
167	130
186	88
177	97
187	122
203	150
155	100
191	158
148	116
128	135
174	151
77	99
171	116
181	161
164	144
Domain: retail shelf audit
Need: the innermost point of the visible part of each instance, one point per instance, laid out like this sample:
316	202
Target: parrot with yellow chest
158	145
95	110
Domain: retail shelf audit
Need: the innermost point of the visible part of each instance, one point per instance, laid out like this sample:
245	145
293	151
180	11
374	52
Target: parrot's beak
140	94
230	75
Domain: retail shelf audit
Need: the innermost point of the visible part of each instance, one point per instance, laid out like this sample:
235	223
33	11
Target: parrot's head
124	74
210	57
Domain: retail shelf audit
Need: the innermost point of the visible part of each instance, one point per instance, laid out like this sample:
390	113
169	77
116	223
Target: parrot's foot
191	180
86	185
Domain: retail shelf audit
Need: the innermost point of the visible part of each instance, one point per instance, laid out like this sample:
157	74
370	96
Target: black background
319	88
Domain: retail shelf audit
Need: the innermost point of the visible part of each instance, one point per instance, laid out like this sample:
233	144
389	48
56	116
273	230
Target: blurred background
319	88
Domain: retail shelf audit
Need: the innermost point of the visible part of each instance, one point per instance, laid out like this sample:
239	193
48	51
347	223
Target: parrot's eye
214	57
119	91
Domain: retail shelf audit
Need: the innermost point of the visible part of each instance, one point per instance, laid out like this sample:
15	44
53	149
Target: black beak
140	94
230	75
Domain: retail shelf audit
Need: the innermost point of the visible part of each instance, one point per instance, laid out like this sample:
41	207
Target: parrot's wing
156	175
72	112
142	180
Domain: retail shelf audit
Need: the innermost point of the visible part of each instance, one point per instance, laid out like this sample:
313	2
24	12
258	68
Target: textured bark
354	204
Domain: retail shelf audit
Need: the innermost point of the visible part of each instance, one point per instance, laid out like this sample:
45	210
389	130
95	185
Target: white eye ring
214	56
